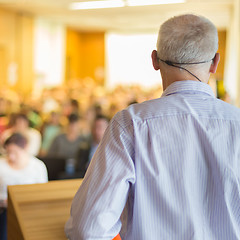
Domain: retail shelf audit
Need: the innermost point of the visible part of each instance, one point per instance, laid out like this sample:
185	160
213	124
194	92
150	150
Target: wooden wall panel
16	47
7	42
84	55
73	55
94	54
221	50
25	53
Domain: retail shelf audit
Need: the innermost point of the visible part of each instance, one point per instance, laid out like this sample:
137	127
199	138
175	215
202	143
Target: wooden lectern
40	211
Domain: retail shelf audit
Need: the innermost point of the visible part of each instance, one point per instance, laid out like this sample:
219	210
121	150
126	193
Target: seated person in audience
88	147
17	167
74	106
21	125
66	144
50	129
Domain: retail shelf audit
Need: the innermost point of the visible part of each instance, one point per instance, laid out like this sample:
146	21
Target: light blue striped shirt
172	164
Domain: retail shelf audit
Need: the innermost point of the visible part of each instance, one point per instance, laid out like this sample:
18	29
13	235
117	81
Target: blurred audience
17	167
48	115
66	144
74	107
50	129
19	123
89	146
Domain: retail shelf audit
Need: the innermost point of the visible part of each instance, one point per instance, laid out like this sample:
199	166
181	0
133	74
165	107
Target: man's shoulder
228	111
172	106
140	111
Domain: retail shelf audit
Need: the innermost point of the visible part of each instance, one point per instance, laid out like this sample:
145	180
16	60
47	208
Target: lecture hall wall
85	53
16	50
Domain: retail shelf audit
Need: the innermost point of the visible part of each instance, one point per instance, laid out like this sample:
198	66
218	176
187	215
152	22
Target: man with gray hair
170	166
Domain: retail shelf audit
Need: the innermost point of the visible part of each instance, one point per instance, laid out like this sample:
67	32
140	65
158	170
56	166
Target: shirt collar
188	85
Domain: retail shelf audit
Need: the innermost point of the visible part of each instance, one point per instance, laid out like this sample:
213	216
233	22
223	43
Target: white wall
128	59
49	53
232	62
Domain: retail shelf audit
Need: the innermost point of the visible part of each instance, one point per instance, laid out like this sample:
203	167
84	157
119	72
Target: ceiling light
119	3
96	4
151	2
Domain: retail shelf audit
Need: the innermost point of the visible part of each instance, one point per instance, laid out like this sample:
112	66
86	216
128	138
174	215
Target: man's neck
171	75
168	83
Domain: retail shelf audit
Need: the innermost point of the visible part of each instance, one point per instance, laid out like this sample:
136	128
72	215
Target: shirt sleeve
99	202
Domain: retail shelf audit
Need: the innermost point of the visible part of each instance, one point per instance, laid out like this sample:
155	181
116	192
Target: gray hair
187	38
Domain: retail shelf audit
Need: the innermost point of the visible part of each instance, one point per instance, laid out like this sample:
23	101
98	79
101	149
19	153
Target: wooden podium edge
14	223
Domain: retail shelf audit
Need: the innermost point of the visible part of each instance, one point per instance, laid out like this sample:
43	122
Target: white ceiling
147	18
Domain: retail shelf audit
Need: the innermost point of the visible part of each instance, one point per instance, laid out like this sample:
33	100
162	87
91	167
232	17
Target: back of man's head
187	39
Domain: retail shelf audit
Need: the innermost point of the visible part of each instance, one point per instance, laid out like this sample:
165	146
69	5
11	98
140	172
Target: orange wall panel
7	43
16	47
25	53
84	55
221	50
73	55
94	54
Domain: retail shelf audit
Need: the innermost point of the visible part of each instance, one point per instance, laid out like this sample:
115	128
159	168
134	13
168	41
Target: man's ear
213	67
155	61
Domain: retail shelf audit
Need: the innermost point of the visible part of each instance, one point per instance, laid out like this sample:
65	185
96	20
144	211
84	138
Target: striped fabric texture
166	169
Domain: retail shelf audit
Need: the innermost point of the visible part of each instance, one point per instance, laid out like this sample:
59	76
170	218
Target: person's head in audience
3	106
98	110
20	122
16	150
99	126
194	59
54	118
17	167
73	127
70	106
74	105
